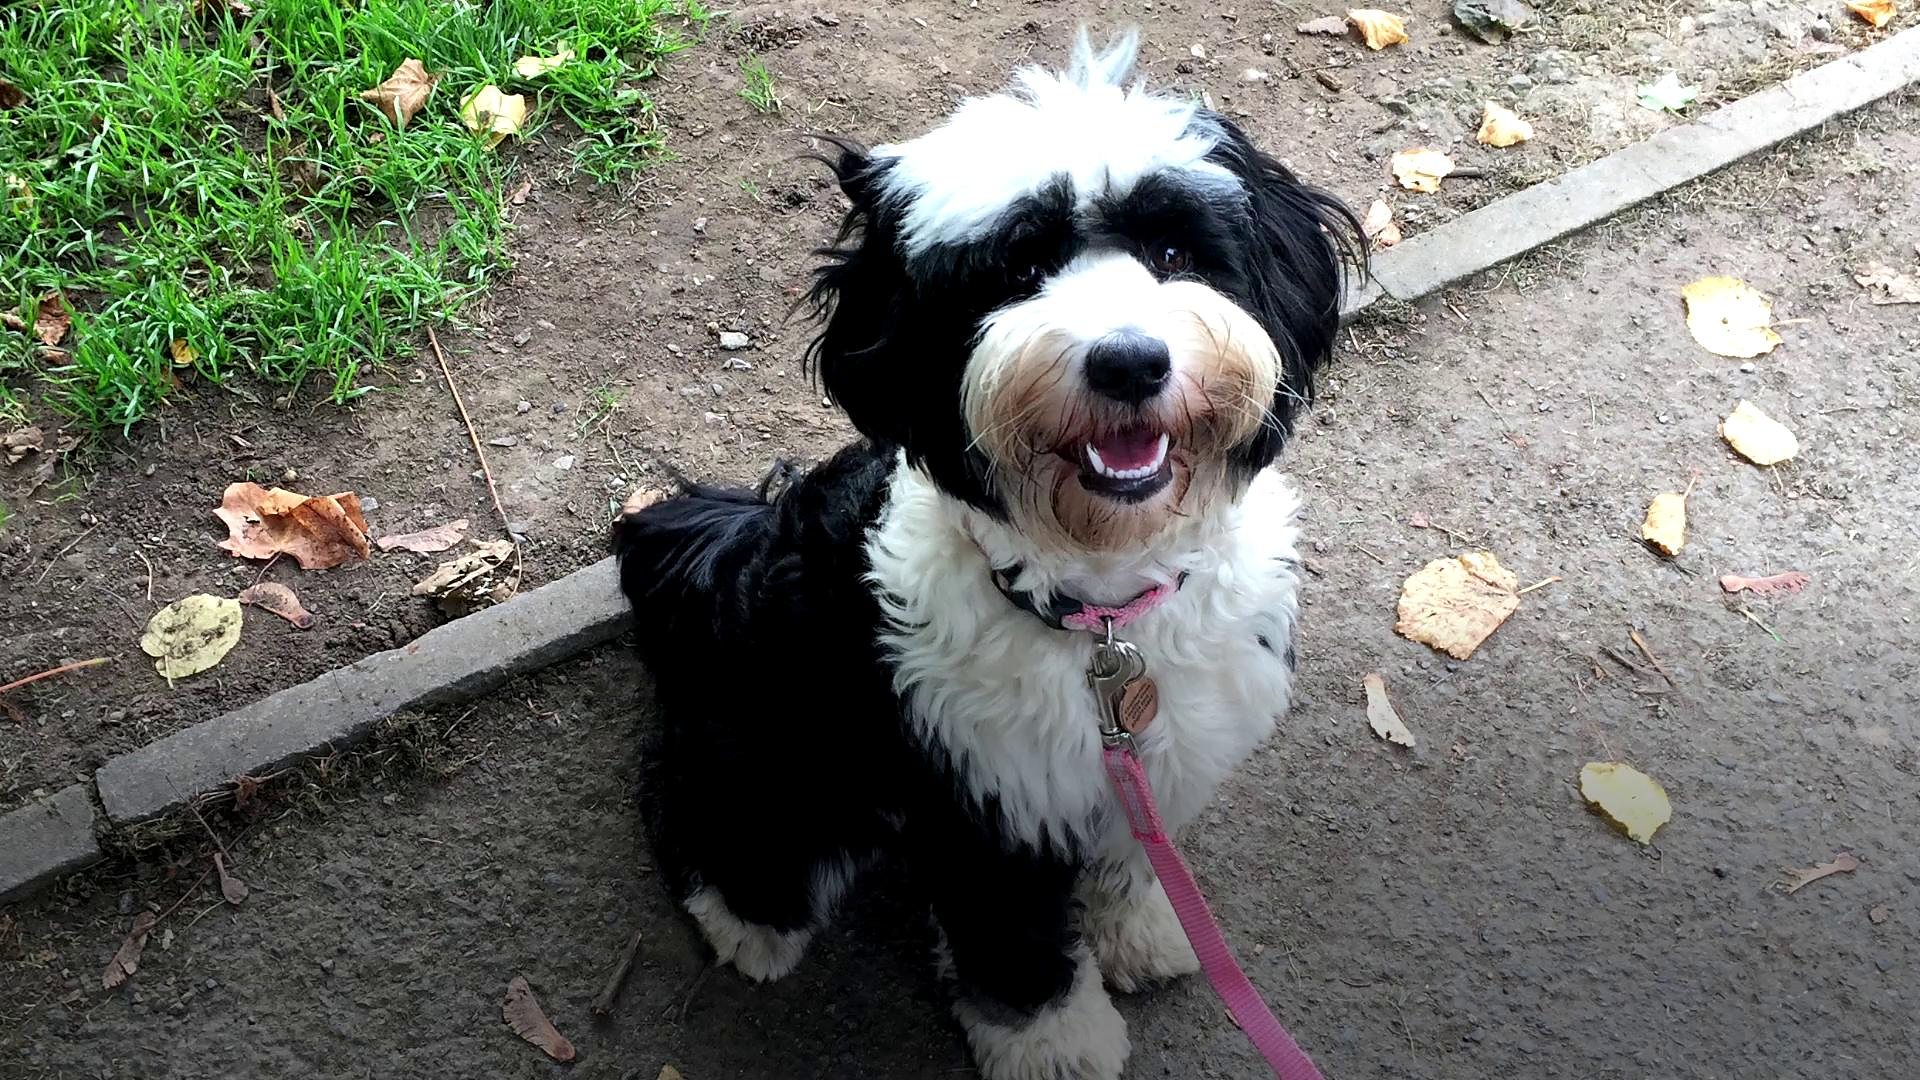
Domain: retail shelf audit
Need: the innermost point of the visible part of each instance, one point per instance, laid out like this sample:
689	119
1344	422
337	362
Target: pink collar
1073	613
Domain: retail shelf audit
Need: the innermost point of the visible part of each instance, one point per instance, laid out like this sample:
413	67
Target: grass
186	172
758	91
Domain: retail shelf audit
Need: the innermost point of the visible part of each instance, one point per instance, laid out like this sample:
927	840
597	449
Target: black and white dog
1073	324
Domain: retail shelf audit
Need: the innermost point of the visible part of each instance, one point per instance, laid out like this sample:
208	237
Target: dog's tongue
1128	449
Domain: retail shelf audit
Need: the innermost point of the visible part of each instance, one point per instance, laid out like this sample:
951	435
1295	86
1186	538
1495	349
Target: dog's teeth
1099	466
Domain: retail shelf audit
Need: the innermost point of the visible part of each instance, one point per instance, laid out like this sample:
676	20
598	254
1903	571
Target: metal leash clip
1116	665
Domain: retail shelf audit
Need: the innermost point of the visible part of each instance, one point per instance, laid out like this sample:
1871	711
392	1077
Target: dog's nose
1128	366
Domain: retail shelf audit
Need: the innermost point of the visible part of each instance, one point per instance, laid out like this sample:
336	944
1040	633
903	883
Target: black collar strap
1052	610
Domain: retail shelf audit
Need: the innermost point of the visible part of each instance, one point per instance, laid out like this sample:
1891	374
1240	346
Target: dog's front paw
1079	1037
761	953
1138	940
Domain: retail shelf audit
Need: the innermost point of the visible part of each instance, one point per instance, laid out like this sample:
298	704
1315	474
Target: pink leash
1117	668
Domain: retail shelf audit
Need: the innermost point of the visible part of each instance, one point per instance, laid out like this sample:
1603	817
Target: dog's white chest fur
1006	696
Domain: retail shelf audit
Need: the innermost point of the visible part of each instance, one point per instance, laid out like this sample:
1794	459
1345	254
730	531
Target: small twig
1748	612
1496	411
1376	558
191	889
1641	644
1538	585
486	471
56	555
603	1004
210	833
142	556
1624	661
51	672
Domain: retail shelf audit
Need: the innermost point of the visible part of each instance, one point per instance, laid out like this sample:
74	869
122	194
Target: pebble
700	225
523	337
327	965
735	363
290	475
563	462
211	984
369	504
503	440
523	407
1747	368
517	528
734	341
126	903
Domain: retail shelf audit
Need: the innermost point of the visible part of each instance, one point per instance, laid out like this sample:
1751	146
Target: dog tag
1139	704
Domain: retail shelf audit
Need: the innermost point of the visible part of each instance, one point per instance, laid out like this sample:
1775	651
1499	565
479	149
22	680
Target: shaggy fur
1073	325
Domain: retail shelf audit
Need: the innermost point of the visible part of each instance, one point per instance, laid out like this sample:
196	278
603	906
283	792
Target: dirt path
597	361
1449	912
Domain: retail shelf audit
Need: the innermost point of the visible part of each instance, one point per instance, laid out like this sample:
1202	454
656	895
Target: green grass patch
186	173
759	91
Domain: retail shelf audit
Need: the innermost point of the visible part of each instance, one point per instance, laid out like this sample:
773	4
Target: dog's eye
1028	273
1168	260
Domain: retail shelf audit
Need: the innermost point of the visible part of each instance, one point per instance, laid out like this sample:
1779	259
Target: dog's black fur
782	744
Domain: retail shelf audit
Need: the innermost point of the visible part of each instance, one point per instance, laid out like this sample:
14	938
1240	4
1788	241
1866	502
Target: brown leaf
275	108
1796	879
37	458
126	960
522	1014
1454	604
1379	28
1875	13
1665	526
18	444
50	324
319	531
1886	285
232	889
518	197
1379	226
245	787
11	96
279	599
426	541
472	581
404	93
1382	716
12	321
1791	581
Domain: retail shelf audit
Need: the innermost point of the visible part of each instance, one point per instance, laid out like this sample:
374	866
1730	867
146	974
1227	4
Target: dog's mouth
1130	465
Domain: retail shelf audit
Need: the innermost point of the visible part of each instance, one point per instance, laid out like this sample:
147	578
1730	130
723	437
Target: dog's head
1081	307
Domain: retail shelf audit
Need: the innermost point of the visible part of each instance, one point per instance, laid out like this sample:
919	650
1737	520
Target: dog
1072	324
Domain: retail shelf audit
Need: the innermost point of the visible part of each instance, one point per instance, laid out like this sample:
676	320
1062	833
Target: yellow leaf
404	93
1378	226
1758	437
1878	13
1635	802
192	634
183	354
1729	317
493	115
1380	28
1453	604
1503	127
1666	524
1382	716
1421	169
532	67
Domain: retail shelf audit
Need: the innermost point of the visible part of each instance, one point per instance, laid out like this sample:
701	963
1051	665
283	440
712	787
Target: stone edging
470	656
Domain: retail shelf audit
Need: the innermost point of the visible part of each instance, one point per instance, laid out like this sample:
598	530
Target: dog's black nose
1128	366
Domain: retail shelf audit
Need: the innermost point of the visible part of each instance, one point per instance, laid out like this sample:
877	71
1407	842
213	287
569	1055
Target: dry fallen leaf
126	959
518	197
668	1072
1797	879
1500	126
277	598
1421	169
1335	25
182	353
1378	226
37	457
191	634
12	97
1791	581
426	541
320	531
1380	28
472	581
50	324
1876	13
1665	526
1635	802
1454	604
1887	286
1382	716
232	889
1729	317
522	1014
532	67
404	93
493	115
1758	437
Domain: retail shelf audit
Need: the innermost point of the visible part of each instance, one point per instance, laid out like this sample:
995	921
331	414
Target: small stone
523	337
211	984
1492	20
1748	368
289	475
126	903
1878	914
1520	84
1820	29
700	225
369	504
1198	51
1254	75
519	528
826	19
734	341
563	462
545	325
523	407
503	440
327	965
737	363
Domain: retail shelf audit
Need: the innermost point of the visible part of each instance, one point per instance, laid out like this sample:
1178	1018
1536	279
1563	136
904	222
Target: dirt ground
596	362
1446	912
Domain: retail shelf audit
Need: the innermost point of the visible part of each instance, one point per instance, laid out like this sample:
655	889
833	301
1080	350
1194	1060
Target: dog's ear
1306	242
860	292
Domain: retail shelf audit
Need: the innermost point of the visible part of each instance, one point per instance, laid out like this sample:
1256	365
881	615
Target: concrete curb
1538	215
473	655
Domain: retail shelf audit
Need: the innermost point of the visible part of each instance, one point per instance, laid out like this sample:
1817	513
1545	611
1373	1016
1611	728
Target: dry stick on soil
603	1004
519	564
51	672
1538	585
1641	644
71	544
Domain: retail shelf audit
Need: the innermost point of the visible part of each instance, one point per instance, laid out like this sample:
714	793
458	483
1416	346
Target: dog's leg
1132	928
1026	988
765	951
